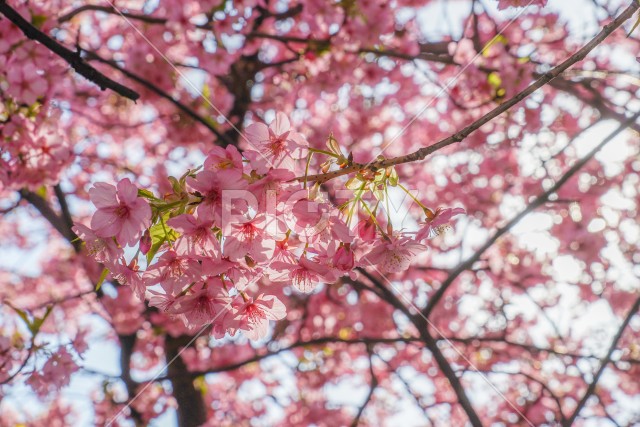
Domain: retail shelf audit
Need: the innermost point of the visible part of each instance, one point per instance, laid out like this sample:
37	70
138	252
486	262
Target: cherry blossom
436	222
395	255
255	314
276	146
121	213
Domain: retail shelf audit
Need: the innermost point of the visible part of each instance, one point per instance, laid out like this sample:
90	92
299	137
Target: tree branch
183	107
468	130
110	10
127	344
307	343
603	364
50	215
372	389
537	202
72	58
420	323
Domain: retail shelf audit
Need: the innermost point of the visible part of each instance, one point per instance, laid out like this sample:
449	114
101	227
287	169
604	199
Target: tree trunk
191	408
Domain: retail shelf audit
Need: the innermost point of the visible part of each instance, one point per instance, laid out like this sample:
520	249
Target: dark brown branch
66	213
160	20
299	344
537	202
127	344
372	389
468	130
542	384
530	348
421	325
153	88
603	364
191	408
50	215
72	58
18	371
110	10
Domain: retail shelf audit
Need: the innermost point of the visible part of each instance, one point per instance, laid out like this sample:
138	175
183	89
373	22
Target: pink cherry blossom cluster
241	225
33	151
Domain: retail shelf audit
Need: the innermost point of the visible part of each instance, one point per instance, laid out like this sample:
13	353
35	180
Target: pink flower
285	250
272	186
394	256
79	343
121	213
163	301
211	186
274	146
305	275
173	270
366	229
344	259
55	374
102	250
200	307
249	238
254	315
25	84
128	275
198	233
436	222
228	158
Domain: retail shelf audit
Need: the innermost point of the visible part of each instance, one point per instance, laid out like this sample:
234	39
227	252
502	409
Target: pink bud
343	259
145	242
367	230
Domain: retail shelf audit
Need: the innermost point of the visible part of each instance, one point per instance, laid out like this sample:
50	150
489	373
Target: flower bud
343	258
145	242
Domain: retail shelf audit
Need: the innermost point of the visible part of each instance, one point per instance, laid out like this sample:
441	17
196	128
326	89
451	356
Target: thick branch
191	408
603	364
127	344
537	202
71	57
468	130
50	215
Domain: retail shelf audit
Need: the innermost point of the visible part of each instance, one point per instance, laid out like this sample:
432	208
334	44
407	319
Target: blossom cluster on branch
242	223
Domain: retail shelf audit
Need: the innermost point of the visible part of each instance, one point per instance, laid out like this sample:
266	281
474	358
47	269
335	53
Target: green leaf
37	322
146	194
393	178
175	185
42	192
23	315
160	233
353	183
494	80
634	26
102	278
38	20
497	39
